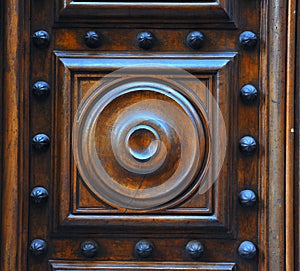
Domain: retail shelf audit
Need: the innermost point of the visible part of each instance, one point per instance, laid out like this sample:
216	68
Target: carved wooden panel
149	141
126	266
145	128
55	172
204	11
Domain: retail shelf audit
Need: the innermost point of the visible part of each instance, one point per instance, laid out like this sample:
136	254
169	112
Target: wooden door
148	135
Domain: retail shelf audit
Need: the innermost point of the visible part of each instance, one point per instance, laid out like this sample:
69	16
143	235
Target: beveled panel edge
219	12
69	62
211	62
60	265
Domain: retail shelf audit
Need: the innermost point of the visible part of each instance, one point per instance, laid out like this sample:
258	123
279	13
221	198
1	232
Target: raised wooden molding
277	118
147	266
290	137
222	12
276	178
15	135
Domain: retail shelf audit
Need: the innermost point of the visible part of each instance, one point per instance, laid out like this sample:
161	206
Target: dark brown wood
15	126
274	137
68	64
150	153
156	12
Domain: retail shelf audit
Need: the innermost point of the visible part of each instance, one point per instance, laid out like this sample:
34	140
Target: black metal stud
40	142
247	250
41	89
41	38
248	94
144	248
248	145
38	247
89	248
39	195
92	39
247	198
145	40
195	40
248	40
195	249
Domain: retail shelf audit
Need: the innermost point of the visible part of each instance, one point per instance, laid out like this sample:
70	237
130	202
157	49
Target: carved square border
221	67
82	203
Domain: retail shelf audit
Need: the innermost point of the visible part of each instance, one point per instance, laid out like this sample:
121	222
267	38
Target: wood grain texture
297	144
276	135
144	12
72	69
15	129
274	114
290	138
74	214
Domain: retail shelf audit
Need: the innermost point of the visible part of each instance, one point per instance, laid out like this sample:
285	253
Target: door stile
290	135
275	173
15	112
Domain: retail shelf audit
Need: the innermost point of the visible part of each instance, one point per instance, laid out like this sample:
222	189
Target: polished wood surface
118	189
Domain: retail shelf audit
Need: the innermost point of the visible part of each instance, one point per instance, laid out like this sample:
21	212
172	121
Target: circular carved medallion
139	145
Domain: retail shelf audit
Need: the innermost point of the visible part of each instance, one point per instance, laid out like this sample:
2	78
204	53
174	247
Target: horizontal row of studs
146	40
143	249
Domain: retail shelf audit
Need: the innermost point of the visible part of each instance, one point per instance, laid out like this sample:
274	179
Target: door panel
145	143
181	199
112	149
145	135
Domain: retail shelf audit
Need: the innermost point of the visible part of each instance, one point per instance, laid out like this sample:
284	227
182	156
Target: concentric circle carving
140	145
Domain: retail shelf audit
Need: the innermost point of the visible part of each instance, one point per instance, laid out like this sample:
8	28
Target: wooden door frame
277	179
297	143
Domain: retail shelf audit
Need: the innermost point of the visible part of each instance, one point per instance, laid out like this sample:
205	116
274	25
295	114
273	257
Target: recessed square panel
148	140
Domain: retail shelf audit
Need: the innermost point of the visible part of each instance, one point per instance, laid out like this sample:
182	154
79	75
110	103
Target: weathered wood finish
296	186
15	126
221	13
74	214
